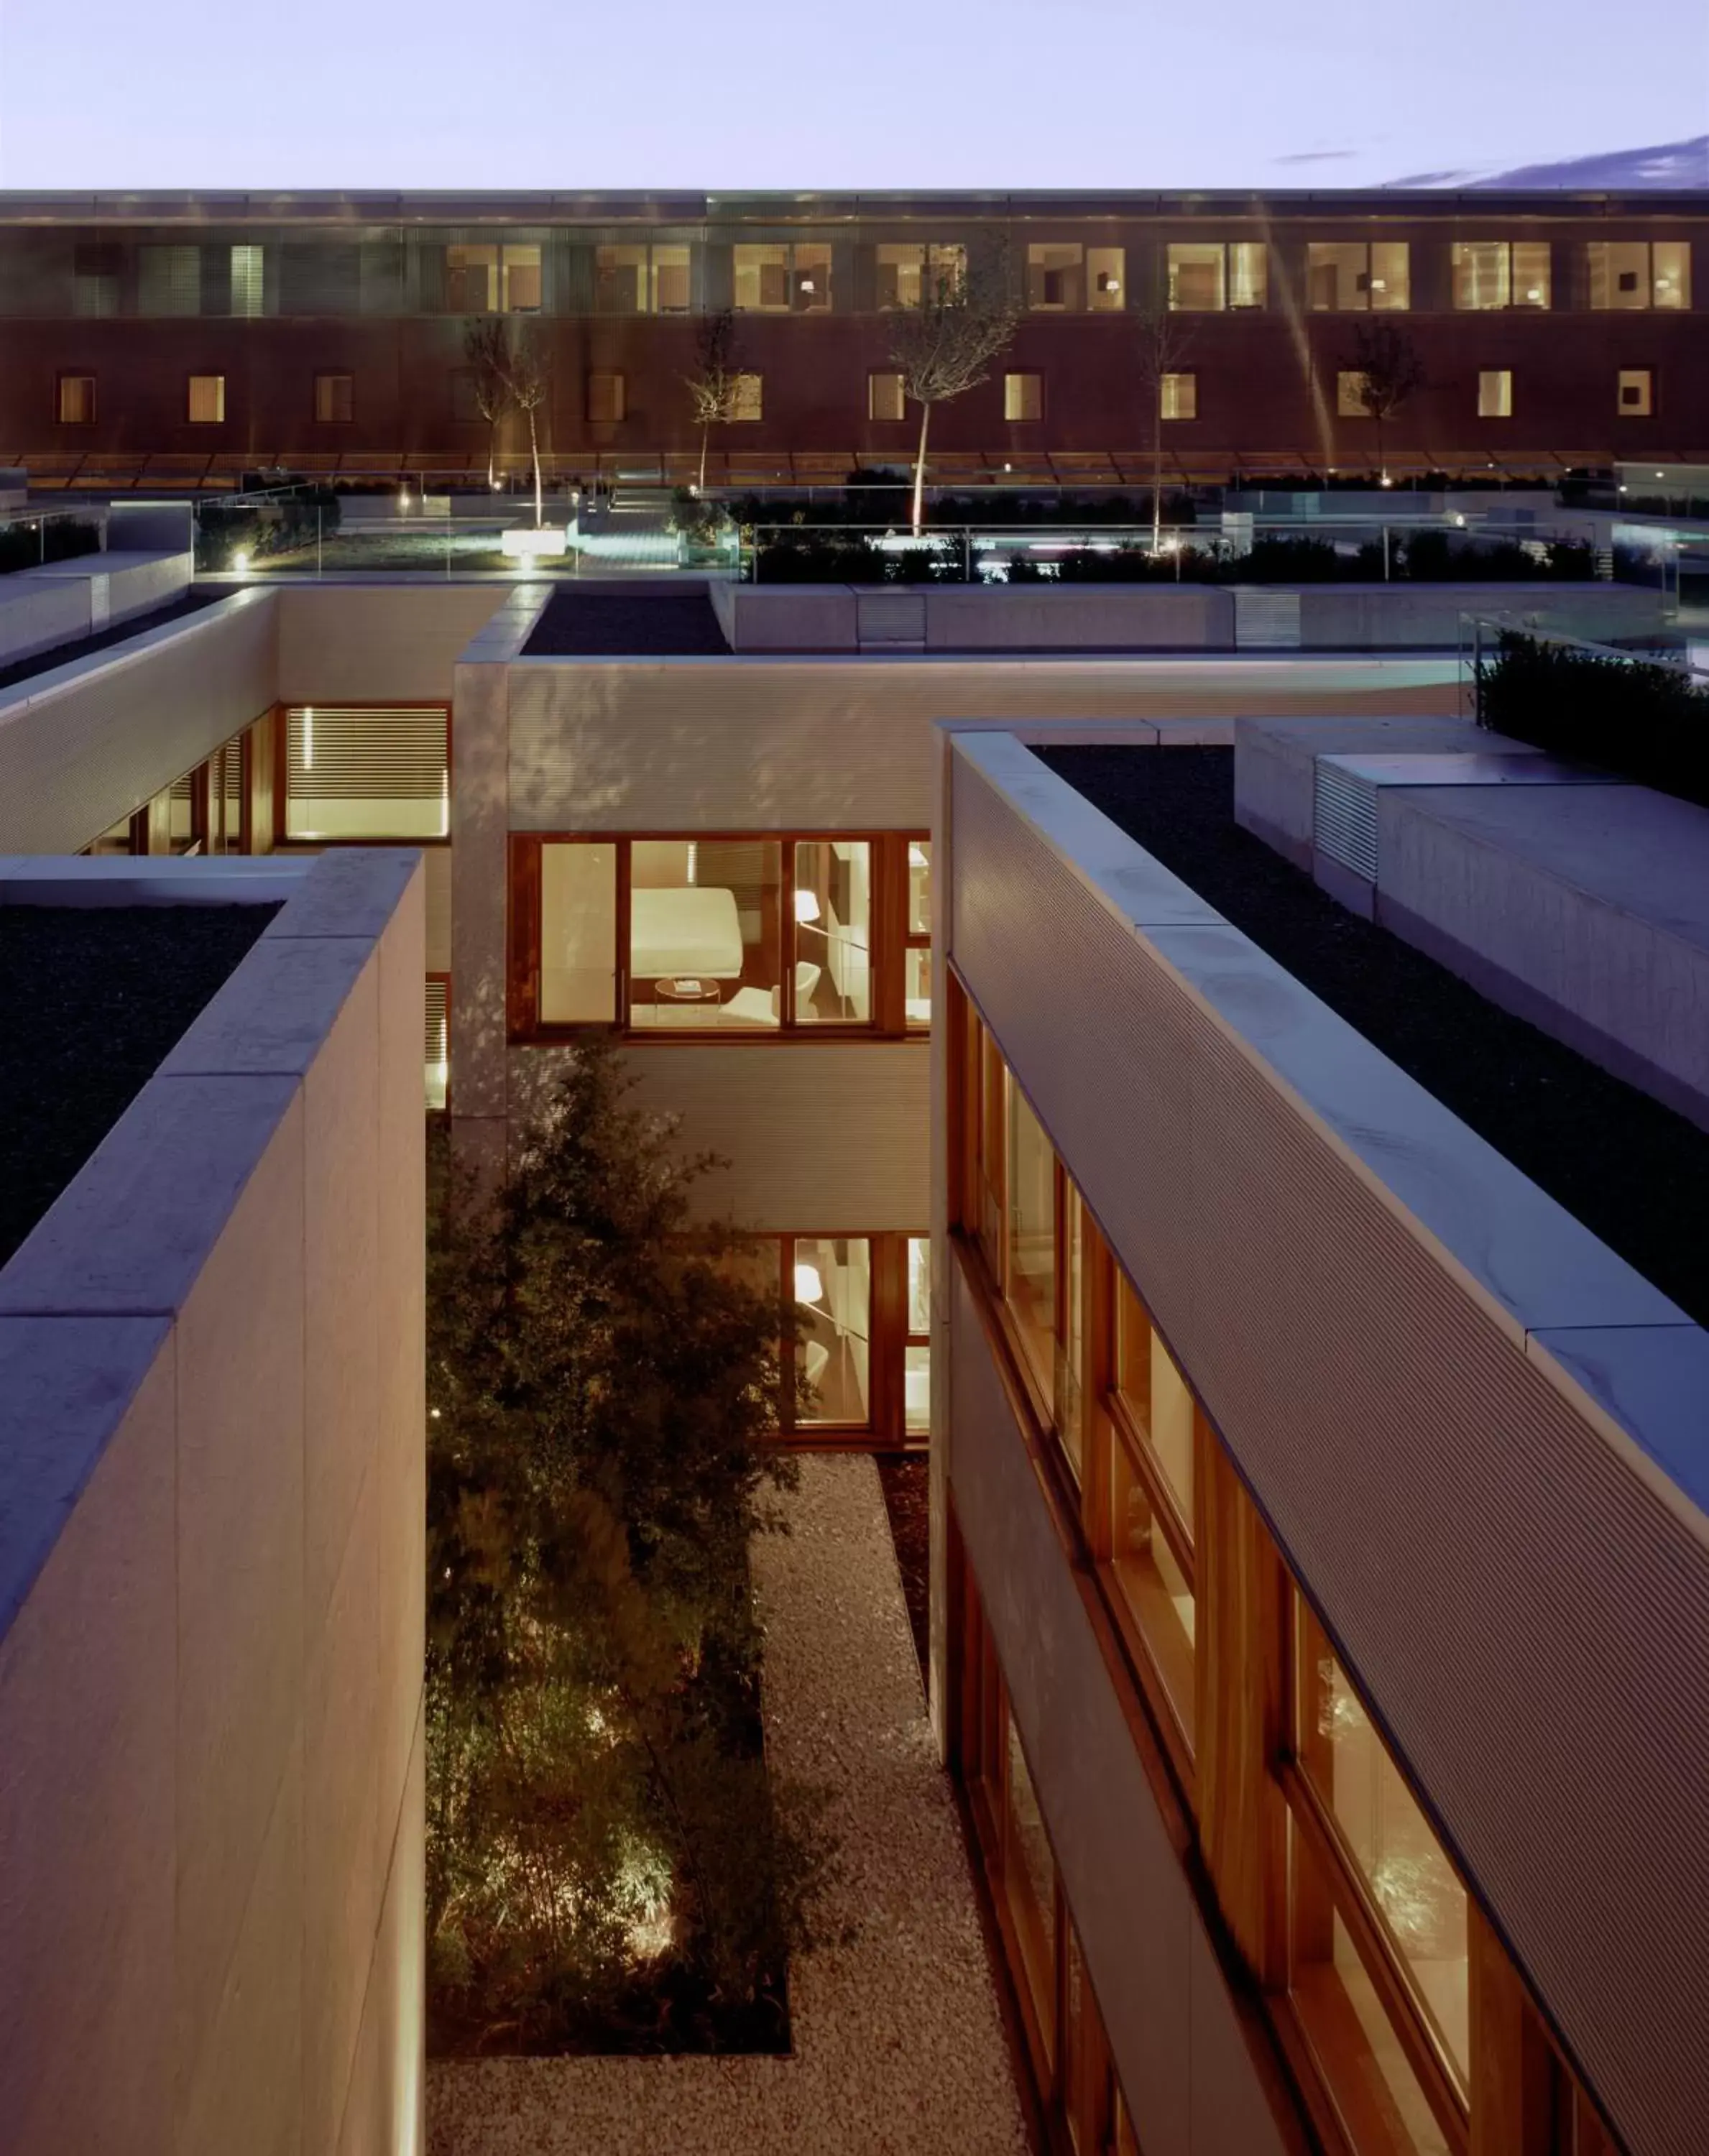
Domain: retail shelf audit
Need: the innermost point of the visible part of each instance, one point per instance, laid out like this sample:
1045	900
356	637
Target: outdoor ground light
240	561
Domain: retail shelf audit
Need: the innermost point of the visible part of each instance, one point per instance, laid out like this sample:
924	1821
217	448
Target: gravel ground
899	2047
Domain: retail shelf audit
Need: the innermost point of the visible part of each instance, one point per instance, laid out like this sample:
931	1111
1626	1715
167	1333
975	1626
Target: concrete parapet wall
211	1574
1422	616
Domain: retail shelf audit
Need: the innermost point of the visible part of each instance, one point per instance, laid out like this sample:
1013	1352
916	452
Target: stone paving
899	2050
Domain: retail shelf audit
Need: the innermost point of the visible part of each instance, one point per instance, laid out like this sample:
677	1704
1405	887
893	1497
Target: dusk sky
818	94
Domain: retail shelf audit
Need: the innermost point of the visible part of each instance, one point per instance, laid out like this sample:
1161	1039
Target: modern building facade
1321	1507
187	338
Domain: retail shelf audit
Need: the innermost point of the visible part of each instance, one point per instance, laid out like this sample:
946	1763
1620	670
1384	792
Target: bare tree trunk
1156	467
920	470
492	455
706	430
534	451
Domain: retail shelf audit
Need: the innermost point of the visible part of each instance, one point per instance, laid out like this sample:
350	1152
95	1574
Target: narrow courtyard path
899	2050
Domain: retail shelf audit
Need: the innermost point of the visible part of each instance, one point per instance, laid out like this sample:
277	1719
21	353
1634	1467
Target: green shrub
281	524
610	1867
1644	721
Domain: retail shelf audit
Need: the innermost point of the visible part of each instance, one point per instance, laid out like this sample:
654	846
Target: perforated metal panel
1530	1620
1266	620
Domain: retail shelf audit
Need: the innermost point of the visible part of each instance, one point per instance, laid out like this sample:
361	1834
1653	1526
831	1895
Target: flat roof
359	206
100	995
589	623
1633	1172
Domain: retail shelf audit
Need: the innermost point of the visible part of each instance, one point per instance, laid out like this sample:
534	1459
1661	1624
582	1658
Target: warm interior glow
807	906
809	1286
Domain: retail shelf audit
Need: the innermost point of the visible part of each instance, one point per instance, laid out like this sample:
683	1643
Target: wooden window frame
915	939
334	374
888	885
884	1428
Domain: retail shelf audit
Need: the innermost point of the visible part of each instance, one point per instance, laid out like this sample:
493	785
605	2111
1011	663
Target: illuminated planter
526	540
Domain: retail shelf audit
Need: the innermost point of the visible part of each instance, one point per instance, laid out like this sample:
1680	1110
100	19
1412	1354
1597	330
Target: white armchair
763	1006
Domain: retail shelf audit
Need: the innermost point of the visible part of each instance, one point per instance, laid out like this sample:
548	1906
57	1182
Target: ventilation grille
1267	620
1344	817
437	1047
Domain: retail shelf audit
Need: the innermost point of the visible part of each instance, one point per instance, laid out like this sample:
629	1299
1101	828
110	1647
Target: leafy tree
716	383
1387	363
487	347
944	344
608	1865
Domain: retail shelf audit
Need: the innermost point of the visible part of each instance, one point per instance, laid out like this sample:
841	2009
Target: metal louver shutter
372	773
438	1044
169	281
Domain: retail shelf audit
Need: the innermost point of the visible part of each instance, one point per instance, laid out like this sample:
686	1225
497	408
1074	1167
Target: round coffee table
680	991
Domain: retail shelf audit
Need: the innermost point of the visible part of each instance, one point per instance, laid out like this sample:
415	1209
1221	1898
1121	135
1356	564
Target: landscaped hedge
1641	720
280	525
58	539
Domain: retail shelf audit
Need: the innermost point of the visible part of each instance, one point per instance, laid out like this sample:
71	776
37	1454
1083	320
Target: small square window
884	397
750	403
1637	393
605	402
207	405
1495	393
335	399
1023	396
76	401
1350	394
1180	396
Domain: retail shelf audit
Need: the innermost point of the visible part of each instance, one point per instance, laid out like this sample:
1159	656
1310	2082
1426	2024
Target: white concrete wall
84	744
212	1572
377	643
37	614
1424	617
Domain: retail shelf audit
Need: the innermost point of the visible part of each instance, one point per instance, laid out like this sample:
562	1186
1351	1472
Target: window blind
373	772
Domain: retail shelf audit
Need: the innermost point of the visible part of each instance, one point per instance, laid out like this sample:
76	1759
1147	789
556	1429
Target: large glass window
640	279
1030	1272
917	994
1355	277
1500	273
247	279
730	935
902	268
832	1282
1207	276
1106	279
1639	273
1055	276
1152	1470
780	277
917	1353
1378	1965
362	771
487	277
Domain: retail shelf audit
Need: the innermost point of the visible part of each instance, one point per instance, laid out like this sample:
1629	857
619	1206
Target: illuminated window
901	269
671	294
884	396
736	938
1106	279
366	772
520	268
247	281
1639	273
1206	276
1023	396
749	401
1353	277
916	993
1056	273
1350	395
1500	273
1495	393
605	399
917	1353
335	398
437	1057
207	404
776	278
1637	393
74	400
832	1280
1153	1469
1378	1967
1179	395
